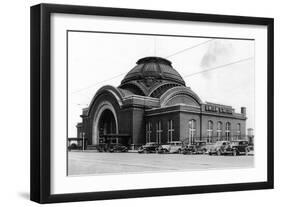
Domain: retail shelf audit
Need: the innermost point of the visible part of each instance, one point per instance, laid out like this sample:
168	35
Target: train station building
153	104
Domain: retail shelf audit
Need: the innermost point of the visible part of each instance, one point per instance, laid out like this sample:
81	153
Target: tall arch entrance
107	127
104	122
105	131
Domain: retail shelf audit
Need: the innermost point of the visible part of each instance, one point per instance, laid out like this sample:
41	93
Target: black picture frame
41	96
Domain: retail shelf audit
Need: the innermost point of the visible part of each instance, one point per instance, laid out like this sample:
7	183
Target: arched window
192	130
158	132
227	131
238	131
219	130
148	131
210	131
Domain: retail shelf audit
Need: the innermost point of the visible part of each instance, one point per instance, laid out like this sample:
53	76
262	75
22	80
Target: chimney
243	111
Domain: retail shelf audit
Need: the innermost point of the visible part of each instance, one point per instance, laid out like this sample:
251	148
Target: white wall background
14	104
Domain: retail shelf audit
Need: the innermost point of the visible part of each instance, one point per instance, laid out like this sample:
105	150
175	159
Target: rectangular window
210	131
158	131
219	131
238	131
227	131
170	130
192	131
148	131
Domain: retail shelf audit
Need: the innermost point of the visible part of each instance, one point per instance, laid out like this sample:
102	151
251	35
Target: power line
189	48
218	67
92	85
189	75
186	49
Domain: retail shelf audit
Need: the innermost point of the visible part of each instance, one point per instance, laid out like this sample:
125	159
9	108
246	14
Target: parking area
92	162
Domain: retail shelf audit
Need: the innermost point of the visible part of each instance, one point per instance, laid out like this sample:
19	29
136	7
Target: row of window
159	131
210	130
191	130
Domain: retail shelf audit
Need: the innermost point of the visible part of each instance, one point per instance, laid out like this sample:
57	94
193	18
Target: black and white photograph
140	103
135	103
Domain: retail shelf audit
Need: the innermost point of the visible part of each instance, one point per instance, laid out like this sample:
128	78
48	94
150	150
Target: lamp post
83	144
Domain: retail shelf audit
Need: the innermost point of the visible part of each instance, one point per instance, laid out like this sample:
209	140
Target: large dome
155	68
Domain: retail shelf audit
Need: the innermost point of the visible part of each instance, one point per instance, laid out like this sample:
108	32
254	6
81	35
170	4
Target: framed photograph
133	103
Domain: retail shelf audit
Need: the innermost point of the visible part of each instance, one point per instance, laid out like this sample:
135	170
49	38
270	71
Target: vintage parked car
171	147
189	150
201	147
219	147
73	146
237	148
149	148
197	148
102	147
118	148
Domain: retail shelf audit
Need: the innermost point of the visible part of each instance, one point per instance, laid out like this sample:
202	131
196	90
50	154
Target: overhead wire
189	48
176	53
92	85
218	67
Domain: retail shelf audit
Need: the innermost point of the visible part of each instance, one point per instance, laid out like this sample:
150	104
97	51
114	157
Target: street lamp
83	144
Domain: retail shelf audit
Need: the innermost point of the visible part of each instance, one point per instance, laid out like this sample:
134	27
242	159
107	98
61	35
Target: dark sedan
118	148
238	147
197	148
189	150
149	148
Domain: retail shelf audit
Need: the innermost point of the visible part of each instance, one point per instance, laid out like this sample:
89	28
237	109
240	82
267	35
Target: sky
218	70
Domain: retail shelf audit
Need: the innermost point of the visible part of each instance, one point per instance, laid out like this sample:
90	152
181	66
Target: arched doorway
106	126
104	122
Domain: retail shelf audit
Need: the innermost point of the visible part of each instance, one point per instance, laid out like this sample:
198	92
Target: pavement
92	162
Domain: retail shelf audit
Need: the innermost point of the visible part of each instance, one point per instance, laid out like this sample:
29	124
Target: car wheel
247	151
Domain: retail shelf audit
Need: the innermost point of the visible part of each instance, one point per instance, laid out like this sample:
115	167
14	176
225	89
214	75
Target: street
89	162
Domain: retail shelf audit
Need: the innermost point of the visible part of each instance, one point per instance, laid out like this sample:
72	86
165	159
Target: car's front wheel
140	151
247	151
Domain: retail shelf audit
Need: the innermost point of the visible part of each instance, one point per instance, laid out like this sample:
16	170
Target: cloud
218	52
